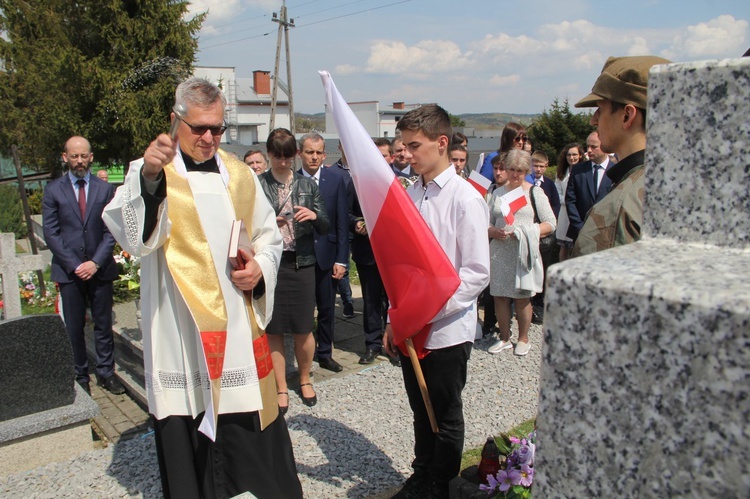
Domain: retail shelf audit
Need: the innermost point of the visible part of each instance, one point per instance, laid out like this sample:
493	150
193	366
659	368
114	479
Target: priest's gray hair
198	92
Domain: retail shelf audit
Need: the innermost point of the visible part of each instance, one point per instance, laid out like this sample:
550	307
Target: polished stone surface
39	392
36	366
645	378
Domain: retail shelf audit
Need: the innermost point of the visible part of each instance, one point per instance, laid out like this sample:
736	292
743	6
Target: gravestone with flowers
645	382
10	266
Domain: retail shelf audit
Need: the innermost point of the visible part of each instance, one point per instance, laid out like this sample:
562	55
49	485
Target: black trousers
242	459
439	454
373	294
325	300
98	295
549	257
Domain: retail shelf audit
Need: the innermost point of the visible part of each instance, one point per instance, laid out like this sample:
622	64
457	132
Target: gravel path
356	442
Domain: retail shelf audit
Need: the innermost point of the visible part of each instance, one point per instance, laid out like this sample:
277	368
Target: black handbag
545	243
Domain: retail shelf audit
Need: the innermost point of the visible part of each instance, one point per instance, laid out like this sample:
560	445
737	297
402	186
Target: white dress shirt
458	217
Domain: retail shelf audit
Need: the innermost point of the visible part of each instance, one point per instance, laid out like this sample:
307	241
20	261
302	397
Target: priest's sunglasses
216	131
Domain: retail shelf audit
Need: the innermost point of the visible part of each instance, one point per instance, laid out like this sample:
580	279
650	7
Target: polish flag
511	202
416	273
480	182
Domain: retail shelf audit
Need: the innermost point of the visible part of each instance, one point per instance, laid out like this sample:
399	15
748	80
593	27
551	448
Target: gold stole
192	267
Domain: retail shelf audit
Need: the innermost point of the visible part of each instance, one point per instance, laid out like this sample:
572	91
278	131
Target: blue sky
470	57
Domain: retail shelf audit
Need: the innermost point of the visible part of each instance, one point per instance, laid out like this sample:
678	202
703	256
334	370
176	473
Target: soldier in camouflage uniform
619	95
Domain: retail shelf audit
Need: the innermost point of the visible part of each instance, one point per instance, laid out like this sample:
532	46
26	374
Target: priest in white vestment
208	369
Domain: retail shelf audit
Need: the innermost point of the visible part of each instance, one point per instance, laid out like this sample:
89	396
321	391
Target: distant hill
480	121
484	121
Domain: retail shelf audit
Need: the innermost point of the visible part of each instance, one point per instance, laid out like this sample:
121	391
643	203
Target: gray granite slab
80	410
645	386
645	379
698	153
36	366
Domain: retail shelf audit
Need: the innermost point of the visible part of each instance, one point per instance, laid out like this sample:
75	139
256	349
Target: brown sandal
308	401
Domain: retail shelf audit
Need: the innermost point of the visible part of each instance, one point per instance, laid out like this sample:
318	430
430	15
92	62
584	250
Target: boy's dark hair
382	141
281	143
500	158
431	119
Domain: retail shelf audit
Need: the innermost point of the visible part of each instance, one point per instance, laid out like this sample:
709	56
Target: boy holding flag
458	218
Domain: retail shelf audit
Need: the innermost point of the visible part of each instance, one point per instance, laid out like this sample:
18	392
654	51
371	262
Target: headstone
44	414
10	266
37	366
645	382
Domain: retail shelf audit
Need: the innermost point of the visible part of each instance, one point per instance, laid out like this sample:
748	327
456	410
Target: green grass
471	457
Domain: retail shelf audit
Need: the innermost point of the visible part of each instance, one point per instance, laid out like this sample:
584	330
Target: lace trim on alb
174	380
130	218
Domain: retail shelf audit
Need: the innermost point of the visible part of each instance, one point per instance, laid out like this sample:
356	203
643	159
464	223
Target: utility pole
284	24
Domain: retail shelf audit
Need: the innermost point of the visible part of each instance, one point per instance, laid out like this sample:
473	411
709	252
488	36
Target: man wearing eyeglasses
209	374
82	262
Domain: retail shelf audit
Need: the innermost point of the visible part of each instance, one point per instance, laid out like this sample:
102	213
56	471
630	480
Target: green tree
557	127
11	212
456	121
104	69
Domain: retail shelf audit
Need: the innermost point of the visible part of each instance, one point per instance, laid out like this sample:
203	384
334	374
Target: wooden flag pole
422	384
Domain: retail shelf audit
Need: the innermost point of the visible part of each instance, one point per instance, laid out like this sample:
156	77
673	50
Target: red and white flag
417	275
510	203
480	182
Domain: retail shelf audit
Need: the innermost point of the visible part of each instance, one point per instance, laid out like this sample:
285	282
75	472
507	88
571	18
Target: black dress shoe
284	408
330	364
111	385
369	356
308	401
85	385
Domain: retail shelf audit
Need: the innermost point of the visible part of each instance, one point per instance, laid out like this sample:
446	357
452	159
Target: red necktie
82	197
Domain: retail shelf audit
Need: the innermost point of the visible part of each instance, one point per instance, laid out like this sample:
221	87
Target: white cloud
424	58
346	69
217	11
711	39
504	81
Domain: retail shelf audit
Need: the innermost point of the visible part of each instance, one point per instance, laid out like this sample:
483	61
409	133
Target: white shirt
458	217
601	174
315	177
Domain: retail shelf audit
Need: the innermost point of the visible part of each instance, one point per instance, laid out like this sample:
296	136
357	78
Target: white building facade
248	113
379	121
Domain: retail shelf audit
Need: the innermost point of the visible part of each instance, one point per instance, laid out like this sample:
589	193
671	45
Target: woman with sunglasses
569	156
509	280
299	209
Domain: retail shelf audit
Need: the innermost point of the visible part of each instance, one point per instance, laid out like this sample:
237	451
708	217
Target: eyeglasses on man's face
216	131
84	156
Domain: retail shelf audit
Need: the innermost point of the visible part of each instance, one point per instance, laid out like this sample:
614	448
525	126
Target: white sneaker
522	348
500	346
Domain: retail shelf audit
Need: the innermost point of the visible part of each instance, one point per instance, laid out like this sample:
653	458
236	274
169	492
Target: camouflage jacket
616	219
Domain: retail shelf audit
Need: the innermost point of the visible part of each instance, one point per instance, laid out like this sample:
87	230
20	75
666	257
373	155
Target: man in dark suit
344	287
588	185
82	262
332	249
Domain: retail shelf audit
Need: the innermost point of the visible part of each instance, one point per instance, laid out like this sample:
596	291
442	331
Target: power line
353	13
310	24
